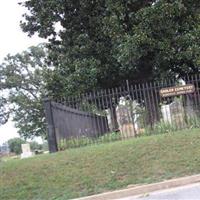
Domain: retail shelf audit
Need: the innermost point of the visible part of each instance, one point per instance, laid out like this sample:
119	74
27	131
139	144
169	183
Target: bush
35	146
15	145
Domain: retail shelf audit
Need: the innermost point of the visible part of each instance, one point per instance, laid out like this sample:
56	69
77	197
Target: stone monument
127	117
26	151
173	113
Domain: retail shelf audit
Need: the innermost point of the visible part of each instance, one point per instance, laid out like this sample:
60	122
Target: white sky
12	40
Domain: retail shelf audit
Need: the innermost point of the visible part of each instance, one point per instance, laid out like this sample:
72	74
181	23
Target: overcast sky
12	40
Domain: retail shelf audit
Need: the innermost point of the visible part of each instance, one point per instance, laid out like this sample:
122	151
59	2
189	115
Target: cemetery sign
177	90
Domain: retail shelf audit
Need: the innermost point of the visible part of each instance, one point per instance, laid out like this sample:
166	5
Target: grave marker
26	151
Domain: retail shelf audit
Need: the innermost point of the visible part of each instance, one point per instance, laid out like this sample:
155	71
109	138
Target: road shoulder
145	189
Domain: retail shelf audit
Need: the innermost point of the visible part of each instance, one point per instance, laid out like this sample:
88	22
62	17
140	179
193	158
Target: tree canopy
97	44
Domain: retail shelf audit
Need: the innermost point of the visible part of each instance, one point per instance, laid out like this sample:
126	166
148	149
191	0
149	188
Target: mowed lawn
99	168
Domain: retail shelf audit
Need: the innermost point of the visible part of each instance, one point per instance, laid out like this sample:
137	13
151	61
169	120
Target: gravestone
26	151
173	113
165	109
190	108
177	113
109	119
127	117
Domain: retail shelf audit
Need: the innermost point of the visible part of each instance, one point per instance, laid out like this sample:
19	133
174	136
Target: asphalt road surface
189	192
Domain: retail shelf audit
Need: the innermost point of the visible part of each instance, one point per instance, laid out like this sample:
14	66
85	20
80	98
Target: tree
165	41
97	44
22	81
81	48
15	145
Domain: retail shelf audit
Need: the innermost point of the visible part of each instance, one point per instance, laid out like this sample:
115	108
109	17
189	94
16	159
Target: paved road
190	192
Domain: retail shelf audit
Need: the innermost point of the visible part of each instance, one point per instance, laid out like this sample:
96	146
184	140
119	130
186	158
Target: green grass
99	168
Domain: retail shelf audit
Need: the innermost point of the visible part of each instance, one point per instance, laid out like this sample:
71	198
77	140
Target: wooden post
50	126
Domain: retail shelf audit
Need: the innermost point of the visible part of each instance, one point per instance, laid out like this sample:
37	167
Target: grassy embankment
99	168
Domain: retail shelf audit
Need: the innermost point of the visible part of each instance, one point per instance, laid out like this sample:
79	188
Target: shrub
15	145
35	146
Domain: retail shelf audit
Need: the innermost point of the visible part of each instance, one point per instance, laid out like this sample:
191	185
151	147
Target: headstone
174	113
127	117
177	113
165	109
26	151
110	124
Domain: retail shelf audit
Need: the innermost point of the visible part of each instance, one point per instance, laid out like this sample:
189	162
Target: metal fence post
50	126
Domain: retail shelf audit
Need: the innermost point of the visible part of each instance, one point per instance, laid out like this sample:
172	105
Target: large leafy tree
22	81
165	41
81	41
97	44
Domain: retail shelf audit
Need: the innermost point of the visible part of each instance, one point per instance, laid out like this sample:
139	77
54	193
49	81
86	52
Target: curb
143	189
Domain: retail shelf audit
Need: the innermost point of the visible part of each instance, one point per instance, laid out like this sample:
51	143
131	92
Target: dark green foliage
165	39
15	145
98	44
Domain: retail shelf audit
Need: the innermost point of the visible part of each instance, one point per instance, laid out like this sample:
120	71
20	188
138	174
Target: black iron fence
123	112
